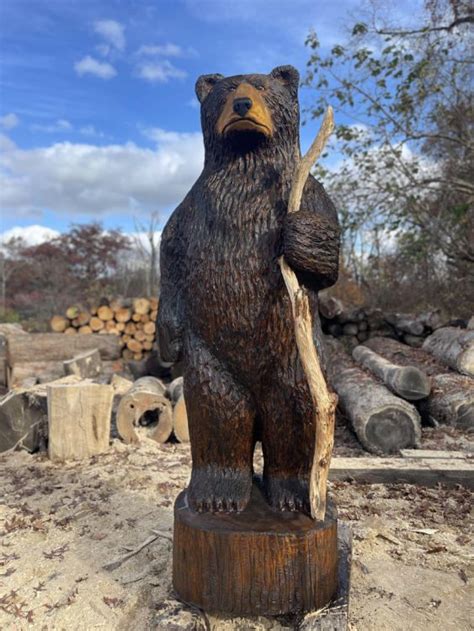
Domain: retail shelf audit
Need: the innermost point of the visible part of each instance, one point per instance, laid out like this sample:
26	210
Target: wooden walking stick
324	400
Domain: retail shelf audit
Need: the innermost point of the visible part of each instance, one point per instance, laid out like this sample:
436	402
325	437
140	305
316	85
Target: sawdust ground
60	524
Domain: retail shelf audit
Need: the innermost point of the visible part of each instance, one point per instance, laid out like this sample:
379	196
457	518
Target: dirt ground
61	524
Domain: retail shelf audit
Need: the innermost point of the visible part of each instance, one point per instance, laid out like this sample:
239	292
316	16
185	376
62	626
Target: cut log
404	355
134	346
255	561
329	307
139	336
85	365
70	331
405	323
85	330
350	328
145	395
58	324
55	346
149	328
145	318
96	324
454	347
383	423
180	421
413	340
407	381
130	328
120	327
105	313
141	306
175	390
451	401
123	314
136	317
22	372
71	312
120	385
79	420
83	318
24	417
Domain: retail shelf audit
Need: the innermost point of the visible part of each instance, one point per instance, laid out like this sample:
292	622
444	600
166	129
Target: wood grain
255	562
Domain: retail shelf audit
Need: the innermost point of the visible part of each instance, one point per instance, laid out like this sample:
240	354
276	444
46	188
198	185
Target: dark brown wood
224	309
256	562
335	616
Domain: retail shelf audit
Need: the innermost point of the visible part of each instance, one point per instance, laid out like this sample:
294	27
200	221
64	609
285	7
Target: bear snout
242	105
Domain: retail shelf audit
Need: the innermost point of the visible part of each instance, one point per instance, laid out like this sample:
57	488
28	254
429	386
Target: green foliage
405	131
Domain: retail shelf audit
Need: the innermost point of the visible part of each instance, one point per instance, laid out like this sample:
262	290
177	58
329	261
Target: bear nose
242	105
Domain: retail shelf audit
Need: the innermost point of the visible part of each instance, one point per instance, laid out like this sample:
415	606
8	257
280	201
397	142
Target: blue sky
99	119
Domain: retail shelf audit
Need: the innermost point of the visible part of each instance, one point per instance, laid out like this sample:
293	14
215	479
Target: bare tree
147	243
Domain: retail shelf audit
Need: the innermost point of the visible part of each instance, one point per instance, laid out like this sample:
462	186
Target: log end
390	429
412	384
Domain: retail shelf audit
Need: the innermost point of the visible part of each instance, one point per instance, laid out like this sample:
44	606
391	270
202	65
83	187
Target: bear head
249	113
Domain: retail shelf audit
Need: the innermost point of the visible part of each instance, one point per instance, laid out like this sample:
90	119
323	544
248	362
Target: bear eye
261	88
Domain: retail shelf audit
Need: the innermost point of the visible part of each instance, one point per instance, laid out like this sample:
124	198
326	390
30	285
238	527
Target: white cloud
32	235
160	71
9	121
91	131
74	178
112	32
89	65
60	125
166	50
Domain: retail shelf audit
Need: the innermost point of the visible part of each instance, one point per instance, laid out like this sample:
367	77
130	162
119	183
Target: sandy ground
61	524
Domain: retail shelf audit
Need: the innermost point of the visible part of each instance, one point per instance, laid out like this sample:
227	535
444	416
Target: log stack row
355	325
131	319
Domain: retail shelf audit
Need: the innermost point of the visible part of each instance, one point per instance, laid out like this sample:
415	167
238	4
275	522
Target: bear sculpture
224	309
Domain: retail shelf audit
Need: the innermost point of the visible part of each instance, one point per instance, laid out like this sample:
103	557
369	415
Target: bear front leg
311	247
221	427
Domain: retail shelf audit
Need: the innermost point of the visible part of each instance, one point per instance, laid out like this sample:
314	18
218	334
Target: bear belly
244	289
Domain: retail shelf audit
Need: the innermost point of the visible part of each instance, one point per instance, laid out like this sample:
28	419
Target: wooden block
257	562
79	420
85	365
335	616
426	471
56	346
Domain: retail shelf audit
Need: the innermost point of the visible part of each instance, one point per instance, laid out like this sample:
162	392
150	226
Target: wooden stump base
258	562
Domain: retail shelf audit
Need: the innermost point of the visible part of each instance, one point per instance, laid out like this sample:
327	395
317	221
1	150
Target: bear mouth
246	124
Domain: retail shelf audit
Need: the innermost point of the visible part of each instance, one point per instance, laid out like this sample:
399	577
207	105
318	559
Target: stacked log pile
355	325
132	320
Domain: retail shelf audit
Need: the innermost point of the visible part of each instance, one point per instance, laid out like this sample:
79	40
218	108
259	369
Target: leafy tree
404	186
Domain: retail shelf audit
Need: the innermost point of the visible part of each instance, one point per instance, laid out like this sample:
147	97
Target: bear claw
287	494
219	490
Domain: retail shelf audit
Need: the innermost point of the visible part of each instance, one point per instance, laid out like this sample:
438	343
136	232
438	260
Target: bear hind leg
221	426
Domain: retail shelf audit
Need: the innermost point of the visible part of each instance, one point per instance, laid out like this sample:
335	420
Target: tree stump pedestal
258	562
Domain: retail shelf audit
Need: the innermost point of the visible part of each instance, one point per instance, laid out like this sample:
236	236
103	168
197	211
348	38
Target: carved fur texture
224	309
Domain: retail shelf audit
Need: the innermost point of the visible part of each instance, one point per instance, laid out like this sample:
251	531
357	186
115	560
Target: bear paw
287	494
216	490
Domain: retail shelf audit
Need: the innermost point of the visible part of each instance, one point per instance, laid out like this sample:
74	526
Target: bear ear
288	75
205	83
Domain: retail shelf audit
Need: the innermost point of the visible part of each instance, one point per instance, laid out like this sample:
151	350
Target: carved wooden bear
224	309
